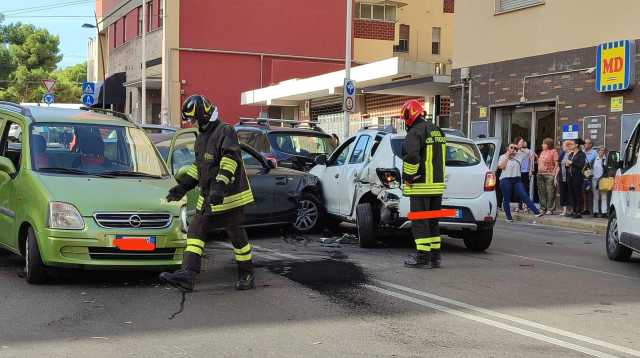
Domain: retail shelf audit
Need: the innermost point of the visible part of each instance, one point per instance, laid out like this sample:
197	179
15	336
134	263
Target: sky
63	18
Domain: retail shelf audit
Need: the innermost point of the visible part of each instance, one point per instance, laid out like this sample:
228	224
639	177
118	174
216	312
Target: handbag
606	184
587	172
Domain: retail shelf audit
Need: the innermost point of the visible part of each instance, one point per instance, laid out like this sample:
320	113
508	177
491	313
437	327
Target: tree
68	83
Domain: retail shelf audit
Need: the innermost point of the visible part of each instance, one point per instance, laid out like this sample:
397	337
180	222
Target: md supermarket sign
615	66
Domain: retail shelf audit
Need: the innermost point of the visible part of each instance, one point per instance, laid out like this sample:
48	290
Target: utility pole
143	75
166	75
347	60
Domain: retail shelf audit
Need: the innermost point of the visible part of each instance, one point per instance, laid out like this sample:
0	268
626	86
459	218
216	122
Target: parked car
623	231
83	189
361	184
292	146
158	128
282	196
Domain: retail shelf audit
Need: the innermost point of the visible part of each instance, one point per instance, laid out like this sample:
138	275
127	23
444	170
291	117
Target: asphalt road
537	292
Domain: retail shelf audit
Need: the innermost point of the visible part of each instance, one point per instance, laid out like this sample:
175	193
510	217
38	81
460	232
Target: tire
35	271
615	251
478	241
310	214
366	225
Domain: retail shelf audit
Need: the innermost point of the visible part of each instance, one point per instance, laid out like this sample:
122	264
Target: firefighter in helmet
224	192
423	177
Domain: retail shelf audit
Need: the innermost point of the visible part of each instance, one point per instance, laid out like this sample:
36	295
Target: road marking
281	254
506	317
567	265
489	322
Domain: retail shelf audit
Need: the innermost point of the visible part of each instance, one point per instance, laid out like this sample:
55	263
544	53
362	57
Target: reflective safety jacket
219	159
424	160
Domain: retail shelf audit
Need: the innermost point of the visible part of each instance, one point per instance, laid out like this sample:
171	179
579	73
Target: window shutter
509	5
449	6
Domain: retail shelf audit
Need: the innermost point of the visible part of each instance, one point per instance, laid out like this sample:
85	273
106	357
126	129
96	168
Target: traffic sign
349	101
88	100
48	85
88	87
48	98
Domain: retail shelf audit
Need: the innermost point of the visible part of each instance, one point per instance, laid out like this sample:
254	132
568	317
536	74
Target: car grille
133	220
108	253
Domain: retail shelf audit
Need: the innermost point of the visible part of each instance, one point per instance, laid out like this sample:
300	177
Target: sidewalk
587	223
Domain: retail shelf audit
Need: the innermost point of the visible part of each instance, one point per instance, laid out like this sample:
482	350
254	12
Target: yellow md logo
614	66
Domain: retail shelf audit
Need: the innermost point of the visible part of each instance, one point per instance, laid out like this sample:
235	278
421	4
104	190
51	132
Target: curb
560	222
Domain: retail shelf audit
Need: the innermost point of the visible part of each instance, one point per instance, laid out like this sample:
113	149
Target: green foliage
27	56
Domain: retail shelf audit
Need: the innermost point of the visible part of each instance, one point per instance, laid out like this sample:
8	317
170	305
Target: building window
435	41
160	14
140	21
150	16
449	6
130	101
512	5
403	43
375	12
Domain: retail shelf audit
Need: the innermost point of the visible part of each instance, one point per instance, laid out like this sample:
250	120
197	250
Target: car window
488	151
339	157
250	160
359	150
631	153
459	154
184	153
376	144
255	140
304	144
12	143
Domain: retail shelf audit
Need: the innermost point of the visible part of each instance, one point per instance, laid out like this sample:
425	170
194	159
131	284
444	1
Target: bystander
546	178
599	197
587	196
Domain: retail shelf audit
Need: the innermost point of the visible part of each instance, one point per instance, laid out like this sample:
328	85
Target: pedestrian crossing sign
88	87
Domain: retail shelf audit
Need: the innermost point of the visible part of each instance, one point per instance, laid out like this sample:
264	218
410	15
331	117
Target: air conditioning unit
440	68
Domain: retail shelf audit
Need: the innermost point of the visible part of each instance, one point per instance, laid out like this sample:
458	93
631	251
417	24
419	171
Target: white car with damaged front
361	184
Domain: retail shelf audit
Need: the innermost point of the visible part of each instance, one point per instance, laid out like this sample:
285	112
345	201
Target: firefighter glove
176	193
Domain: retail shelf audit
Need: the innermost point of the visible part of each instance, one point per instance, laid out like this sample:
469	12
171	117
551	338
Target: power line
48	16
57	3
45	7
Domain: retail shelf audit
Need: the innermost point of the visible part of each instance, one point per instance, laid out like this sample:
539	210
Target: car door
10	147
347	180
490	150
263	185
628	186
330	176
181	154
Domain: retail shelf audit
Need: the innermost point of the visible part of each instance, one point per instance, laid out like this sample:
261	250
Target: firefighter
219	173
423	177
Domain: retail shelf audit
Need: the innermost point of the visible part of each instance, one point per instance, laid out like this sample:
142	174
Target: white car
361	184
623	231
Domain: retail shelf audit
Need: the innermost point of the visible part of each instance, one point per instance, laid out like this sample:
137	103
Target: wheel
310	214
478	240
366	225
35	271
615	250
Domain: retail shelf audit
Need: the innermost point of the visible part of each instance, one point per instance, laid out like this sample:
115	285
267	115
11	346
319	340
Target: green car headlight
183	219
64	216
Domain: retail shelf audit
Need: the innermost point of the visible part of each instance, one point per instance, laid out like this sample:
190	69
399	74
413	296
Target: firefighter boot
246	278
184	278
420	260
435	258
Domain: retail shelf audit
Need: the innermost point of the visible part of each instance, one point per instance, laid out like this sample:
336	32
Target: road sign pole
347	59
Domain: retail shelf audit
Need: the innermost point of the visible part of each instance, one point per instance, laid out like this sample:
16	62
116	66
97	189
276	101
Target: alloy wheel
612	235
308	215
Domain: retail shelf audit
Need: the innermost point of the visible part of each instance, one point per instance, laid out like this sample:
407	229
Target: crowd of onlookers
576	174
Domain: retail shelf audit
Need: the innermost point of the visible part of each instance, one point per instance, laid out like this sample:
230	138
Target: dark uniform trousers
204	225
426	232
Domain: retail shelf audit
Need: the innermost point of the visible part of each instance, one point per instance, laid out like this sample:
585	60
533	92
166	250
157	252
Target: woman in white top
599	197
511	182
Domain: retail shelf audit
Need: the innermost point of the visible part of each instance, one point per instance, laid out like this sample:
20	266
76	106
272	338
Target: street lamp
104	70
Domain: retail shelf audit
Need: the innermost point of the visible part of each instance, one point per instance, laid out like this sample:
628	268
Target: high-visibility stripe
435	239
223	178
444	159
429	165
422	191
436	246
423	247
234	201
244	250
196	250
195	242
432	214
410	169
246	257
200	202
228	164
193	171
424	240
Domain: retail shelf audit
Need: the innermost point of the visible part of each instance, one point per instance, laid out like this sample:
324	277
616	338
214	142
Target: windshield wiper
126	173
72	171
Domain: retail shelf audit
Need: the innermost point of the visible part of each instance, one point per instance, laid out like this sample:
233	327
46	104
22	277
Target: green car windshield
94	149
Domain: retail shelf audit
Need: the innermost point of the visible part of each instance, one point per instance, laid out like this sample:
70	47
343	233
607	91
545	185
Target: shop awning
111	91
152	83
289	93
419	87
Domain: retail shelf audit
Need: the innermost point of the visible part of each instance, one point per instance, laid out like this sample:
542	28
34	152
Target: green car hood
91	194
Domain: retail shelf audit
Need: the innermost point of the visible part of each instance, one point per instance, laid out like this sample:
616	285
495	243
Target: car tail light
390	178
490	181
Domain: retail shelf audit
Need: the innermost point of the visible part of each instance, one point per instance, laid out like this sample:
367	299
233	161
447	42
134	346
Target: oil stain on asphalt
341	281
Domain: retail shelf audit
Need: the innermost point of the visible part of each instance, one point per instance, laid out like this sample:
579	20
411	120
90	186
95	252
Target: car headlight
64	216
183	219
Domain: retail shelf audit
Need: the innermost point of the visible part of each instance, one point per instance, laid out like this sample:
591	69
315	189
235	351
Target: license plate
459	214
135	243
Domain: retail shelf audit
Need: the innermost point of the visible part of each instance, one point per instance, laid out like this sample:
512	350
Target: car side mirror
6	165
181	172
271	164
321	160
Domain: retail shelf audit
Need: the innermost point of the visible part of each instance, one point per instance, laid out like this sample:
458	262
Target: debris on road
184	298
337	241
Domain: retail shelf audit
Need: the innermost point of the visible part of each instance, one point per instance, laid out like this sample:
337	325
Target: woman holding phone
511	182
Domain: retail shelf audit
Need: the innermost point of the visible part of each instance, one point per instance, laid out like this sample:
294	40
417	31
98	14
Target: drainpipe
469	111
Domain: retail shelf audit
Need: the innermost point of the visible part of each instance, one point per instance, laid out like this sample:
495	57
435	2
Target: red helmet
411	110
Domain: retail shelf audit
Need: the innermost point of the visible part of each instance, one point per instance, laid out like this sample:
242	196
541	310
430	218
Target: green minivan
84	189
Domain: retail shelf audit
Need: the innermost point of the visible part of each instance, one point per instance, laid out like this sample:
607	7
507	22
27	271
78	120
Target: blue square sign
88	87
